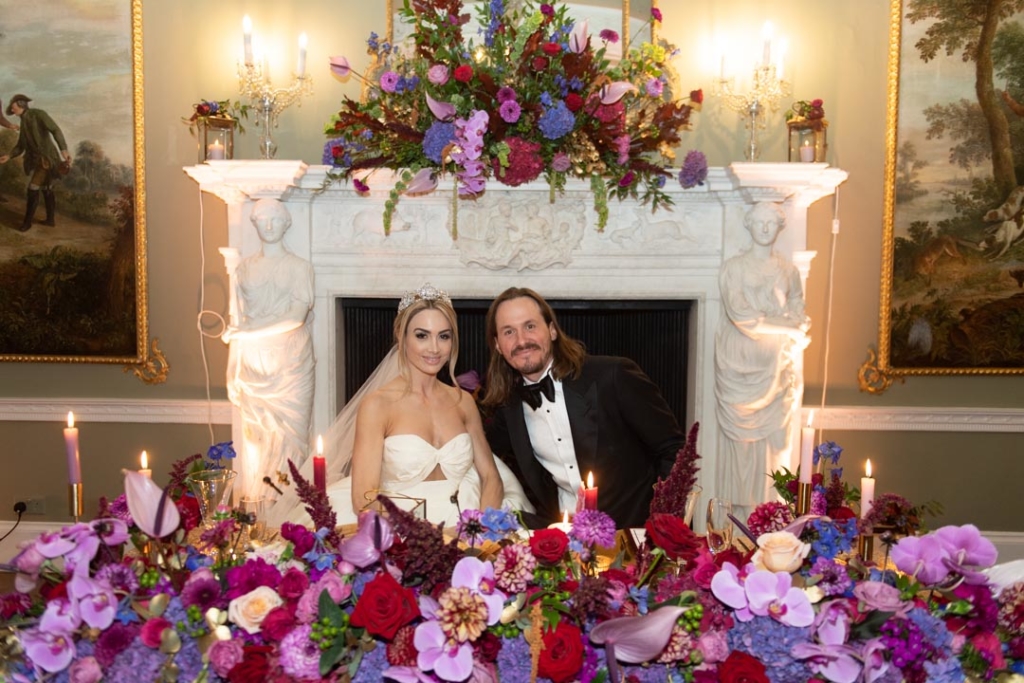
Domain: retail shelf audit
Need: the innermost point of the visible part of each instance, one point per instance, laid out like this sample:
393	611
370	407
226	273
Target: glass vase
255	516
211	489
216	138
808	142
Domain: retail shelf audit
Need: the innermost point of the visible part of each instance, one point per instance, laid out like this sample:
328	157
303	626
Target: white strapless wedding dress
407	462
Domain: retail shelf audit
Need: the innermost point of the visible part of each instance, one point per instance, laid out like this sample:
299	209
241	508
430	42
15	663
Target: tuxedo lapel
581	405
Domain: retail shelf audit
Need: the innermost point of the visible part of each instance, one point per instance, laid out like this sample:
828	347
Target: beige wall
837	51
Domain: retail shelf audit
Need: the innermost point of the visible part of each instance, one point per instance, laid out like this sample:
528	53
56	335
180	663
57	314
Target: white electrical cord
828	305
199	319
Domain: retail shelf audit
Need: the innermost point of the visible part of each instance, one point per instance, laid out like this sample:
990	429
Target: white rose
780	551
248	611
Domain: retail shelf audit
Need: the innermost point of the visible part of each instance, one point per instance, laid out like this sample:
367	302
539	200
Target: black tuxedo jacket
622	430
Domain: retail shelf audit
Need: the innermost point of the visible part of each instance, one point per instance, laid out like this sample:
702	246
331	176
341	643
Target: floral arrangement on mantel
220	110
397	600
807	114
536	97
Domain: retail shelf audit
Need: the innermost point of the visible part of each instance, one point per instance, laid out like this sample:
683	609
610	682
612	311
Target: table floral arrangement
536	97
398	600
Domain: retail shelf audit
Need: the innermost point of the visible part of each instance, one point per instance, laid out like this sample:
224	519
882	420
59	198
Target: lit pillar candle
301	70
867	491
590	493
766	36
564	525
247	39
320	466
71	443
144	462
807	450
215	150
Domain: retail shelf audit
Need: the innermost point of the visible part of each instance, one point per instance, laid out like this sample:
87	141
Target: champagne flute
719	529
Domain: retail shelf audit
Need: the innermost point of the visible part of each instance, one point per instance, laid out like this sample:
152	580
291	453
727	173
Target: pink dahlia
513	568
524	162
769	517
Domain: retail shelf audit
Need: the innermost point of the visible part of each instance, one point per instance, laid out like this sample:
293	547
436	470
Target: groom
560	414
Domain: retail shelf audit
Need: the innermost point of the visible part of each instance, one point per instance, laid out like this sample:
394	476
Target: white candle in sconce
867	491
215	150
807	450
766	36
807	151
144	462
300	71
247	39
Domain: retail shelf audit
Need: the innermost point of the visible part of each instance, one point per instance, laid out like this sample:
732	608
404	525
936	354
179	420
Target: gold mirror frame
925	310
146	361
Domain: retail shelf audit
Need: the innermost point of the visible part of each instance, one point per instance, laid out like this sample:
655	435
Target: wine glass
719	529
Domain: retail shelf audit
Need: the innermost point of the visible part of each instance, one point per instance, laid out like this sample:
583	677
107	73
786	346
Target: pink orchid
373	537
478	577
28	562
61	616
110	530
49	651
449	661
831	656
968	551
153	511
613	92
762	593
875	663
923	557
96	602
443	111
340	66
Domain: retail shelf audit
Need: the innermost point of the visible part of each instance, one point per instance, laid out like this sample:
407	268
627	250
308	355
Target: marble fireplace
517	236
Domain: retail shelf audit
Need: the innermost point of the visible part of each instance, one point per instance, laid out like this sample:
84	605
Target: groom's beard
527	367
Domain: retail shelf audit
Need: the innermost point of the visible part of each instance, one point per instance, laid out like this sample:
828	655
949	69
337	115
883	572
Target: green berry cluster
325	631
690	619
149	578
509	630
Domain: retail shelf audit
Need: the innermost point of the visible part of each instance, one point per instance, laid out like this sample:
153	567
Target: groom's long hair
502	379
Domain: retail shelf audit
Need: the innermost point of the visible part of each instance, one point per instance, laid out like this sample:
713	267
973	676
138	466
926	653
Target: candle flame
590	480
144	459
565	516
246	24
867	468
71	419
810	418
767	31
319	445
303	41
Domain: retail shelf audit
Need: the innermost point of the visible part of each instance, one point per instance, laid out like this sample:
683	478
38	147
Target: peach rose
248	611
780	551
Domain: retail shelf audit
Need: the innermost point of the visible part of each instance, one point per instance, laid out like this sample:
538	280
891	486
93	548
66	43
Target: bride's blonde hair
405	316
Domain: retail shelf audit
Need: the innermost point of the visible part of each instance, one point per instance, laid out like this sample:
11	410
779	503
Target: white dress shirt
551	438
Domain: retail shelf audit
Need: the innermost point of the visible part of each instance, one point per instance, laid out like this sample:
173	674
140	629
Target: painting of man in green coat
42	143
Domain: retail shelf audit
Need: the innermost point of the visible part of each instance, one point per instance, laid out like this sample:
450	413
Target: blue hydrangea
372	665
771	642
498	524
438	136
556	121
546	99
514	661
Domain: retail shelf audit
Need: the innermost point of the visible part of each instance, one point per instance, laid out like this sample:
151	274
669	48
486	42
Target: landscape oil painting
953	252
72	200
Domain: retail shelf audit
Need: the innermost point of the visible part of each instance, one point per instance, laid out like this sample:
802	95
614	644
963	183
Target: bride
413	436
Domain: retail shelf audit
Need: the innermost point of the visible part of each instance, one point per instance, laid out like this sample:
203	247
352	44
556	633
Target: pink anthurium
579	36
373	537
443	111
638	639
423	182
152	510
613	92
340	66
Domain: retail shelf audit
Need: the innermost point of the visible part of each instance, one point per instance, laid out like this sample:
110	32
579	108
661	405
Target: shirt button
549	411
570	466
559	439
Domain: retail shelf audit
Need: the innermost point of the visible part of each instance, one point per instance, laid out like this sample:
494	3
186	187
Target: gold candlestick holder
766	90
269	102
76	503
803	498
866	546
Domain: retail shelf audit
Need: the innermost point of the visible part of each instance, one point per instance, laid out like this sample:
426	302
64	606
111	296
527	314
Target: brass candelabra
764	96
268	101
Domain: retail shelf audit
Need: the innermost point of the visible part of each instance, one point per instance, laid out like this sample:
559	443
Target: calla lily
441	110
423	182
373	537
579	37
340	66
638	639
613	92
152	510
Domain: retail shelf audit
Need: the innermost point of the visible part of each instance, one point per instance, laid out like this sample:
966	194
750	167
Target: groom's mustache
530	346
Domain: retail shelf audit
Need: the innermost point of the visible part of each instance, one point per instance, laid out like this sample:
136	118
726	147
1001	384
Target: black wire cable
20	509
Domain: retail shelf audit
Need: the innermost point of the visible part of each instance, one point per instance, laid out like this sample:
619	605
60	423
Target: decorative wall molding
107	410
914	419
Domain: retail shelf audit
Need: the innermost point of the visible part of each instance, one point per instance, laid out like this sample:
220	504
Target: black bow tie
531	393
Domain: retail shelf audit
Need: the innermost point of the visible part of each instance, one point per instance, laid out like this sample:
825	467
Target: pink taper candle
320	466
590	493
71	442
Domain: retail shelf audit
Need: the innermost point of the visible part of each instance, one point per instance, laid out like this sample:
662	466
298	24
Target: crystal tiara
427	292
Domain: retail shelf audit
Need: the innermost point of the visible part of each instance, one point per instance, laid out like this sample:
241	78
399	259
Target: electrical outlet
35	506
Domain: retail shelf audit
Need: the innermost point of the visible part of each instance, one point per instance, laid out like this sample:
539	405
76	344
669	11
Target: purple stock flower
655	14
388	81
469	134
509	111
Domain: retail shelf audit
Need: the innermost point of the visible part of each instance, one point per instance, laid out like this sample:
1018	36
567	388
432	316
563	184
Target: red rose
620	575
697	96
464	73
203	109
740	667
487	647
841	513
540	63
562	656
548	545
671	534
278	623
188	510
293	584
573	102
255	665
551	48
385	607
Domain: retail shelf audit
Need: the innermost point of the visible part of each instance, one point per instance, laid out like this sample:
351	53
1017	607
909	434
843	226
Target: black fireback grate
651	332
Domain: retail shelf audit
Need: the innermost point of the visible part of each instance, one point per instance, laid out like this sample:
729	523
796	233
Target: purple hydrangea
438	136
514	661
556	121
771	642
694	171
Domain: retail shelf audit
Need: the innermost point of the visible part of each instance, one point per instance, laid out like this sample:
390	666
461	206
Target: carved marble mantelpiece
515	236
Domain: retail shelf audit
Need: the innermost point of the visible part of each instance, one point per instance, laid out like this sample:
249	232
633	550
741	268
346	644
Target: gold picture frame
953	233
75	279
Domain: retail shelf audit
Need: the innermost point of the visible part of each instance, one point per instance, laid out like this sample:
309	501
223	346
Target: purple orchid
449	660
922	557
968	551
727	586
61	616
875	664
478	576
831	656
96	601
373	537
762	593
49	651
442	111
406	674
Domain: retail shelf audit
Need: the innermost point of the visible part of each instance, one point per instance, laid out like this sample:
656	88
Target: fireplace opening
651	332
